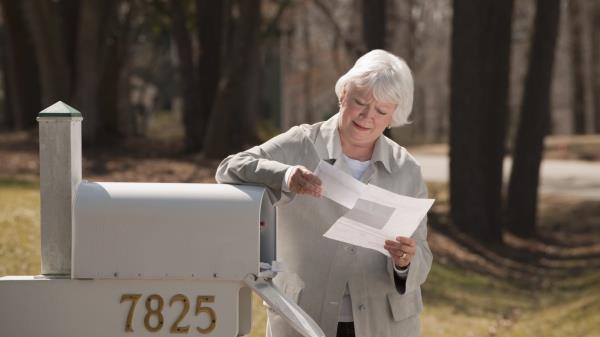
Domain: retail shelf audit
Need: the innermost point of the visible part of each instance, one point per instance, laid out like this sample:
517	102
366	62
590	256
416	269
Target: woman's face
362	118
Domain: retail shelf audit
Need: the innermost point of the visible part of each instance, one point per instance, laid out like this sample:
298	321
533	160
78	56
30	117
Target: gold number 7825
175	328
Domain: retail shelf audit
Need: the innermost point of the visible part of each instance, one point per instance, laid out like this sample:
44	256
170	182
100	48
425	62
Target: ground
548	286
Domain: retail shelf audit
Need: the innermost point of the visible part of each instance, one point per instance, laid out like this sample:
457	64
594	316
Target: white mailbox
171	231
141	259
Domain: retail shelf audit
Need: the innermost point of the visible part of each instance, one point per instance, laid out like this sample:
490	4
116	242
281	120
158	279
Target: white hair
389	78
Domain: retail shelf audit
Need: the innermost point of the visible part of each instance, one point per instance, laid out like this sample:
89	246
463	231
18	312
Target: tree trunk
406	25
210	23
70	39
595	51
309	110
200	79
22	91
535	114
252	69
6	117
113	126
68	12
91	58
50	51
185	54
373	17
233	122
578	84
479	90
374	24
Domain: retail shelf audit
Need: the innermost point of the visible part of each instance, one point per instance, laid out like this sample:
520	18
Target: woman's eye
359	102
381	112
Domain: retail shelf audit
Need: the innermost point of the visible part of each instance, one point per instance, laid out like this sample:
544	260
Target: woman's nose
367	111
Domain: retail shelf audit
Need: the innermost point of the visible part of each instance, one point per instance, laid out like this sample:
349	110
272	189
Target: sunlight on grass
473	294
462	303
579	316
19	228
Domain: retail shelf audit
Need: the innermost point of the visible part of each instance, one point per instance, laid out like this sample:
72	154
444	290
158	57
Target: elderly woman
347	290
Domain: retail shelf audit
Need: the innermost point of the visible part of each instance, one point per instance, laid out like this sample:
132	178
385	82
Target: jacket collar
331	137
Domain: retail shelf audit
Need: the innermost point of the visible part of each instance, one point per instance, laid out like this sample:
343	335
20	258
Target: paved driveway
565	177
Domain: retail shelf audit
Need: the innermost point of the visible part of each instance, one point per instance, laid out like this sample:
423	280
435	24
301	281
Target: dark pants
345	329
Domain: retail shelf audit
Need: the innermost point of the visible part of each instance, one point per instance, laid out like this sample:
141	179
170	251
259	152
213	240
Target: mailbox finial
60	109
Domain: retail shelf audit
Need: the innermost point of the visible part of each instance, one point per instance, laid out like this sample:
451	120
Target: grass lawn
461	302
19	228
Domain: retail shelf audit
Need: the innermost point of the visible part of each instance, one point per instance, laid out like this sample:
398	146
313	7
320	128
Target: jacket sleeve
421	262
264	164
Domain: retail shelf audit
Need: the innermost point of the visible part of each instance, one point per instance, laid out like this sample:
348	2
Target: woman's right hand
303	181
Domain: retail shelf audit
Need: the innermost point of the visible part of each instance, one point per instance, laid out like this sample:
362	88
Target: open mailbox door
286	308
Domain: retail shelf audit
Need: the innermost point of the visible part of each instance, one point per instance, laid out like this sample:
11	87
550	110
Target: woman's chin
362	137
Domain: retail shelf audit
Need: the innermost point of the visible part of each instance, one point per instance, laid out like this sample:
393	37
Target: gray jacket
318	268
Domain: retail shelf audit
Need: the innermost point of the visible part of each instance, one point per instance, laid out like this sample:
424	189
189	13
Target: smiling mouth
360	127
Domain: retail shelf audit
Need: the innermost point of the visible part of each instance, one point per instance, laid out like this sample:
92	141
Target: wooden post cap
59	109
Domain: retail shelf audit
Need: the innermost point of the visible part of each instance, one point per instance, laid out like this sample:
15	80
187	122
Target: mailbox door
288	309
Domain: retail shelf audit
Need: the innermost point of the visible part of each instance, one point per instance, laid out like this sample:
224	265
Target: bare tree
72	46
93	17
374	28
309	112
200	69
52	54
351	46
578	81
534	118
374	23
120	32
22	91
481	33
595	63
188	74
211	21
233	122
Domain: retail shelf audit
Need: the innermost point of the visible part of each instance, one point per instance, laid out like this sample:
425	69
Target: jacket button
361	307
351	249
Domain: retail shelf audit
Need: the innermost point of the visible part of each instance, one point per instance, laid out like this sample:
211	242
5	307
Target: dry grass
19	228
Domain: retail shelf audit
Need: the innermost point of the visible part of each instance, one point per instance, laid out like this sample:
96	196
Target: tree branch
348	43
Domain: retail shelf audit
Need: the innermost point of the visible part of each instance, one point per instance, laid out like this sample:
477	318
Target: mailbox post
60	175
141	259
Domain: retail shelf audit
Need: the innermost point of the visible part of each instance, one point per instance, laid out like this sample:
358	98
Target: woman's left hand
402	250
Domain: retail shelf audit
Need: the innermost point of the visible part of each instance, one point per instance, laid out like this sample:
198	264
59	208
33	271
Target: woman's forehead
360	91
367	94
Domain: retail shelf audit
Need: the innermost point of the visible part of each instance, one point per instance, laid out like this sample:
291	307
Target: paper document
374	215
338	185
